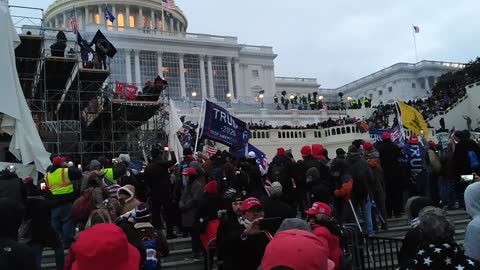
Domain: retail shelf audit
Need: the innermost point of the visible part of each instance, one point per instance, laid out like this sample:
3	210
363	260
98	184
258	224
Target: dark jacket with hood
157	178
389	155
58	48
361	173
13	255
189	202
12	187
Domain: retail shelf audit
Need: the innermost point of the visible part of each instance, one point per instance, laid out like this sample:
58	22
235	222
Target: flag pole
199	124
415	43
399	118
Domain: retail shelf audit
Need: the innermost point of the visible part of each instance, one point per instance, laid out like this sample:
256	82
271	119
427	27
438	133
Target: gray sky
339	41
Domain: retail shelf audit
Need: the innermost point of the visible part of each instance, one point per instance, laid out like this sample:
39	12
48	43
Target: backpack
83	206
278	174
155	247
435	164
474	164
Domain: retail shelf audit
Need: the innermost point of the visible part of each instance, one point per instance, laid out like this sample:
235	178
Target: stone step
400	231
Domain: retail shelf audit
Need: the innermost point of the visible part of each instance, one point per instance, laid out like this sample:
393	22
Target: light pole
194	95
229	96
349	102
261	99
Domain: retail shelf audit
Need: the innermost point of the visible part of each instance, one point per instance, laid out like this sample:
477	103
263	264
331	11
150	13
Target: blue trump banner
221	127
395	133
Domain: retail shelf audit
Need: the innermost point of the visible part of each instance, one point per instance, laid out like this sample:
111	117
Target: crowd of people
324	124
288	215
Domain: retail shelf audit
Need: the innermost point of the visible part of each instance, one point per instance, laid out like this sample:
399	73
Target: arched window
343	130
348	130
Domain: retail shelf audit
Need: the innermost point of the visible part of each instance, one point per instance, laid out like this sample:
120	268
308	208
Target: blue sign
221	127
395	134
242	152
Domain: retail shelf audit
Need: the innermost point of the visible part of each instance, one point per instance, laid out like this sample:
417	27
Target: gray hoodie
472	235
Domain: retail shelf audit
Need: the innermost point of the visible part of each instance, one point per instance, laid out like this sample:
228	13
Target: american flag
211	149
74	24
169	4
416	29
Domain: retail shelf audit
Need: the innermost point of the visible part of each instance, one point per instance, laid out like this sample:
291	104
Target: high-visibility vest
109	174
58	182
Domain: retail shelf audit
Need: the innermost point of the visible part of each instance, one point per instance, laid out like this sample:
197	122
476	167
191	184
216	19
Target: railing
295	79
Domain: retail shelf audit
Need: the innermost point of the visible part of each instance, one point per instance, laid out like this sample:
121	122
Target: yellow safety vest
58	182
109	174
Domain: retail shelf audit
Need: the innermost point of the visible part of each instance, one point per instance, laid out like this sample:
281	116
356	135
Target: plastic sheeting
22	171
26	144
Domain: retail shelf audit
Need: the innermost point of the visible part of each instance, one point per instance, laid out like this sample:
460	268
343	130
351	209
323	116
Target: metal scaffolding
76	110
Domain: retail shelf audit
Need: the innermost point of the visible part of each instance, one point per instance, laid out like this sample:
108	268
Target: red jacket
345	191
335	251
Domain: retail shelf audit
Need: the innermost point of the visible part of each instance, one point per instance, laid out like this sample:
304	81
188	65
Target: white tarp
174	125
26	144
22	171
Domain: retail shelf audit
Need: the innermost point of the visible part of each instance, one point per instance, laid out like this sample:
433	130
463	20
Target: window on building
121	21
148	66
160	25
255	73
192	74
390	89
97	19
109	24
144	22
171	63
118	71
131	21
220	78
380	92
414	85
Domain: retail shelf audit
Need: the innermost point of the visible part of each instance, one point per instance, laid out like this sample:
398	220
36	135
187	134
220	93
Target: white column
140	18
160	64
171	24
114	11
230	77
203	81
178	26
211	89
427	84
183	89
137	67
236	66
152	18
127	16
65	25
163	20
87	16
56	23
128	66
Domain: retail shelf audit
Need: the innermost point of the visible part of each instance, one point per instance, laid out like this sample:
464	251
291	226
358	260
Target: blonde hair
98	216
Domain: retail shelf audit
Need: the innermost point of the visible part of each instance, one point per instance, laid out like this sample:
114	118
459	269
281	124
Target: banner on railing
221	127
127	91
395	134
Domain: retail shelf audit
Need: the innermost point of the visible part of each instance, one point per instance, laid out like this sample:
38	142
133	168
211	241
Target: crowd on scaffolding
288	214
320	125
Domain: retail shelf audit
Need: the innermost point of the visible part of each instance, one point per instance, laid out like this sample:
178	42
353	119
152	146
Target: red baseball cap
211	187
413	139
28	180
306	150
367	146
296	249
58	161
281	151
190	171
319	208
248	203
386	136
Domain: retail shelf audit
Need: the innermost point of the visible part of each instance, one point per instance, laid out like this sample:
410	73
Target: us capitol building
153	40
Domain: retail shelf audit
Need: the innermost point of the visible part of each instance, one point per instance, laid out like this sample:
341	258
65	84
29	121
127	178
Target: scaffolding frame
76	110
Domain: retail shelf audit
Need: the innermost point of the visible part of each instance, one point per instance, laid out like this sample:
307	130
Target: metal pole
199	124
415	43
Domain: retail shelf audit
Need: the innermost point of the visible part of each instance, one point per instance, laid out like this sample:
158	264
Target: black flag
100	40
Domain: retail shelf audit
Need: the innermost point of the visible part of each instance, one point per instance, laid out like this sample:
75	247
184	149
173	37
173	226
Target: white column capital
136	53
160	53
183	88
181	56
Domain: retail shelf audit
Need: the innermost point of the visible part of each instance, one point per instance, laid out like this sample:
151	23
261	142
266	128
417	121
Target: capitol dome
139	14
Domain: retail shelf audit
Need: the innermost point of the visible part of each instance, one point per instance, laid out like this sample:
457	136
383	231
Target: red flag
127	91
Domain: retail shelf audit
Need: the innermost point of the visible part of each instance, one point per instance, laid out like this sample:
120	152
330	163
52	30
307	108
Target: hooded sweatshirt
130	203
472	234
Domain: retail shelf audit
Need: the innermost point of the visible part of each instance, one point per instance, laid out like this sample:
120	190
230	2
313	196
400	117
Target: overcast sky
339	41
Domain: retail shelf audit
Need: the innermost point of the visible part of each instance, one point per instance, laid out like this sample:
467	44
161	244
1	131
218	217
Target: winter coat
146	231
234	253
275	207
472	234
345	191
13	255
335	250
373	159
361	173
286	169
389	155
157	178
13	188
189	201
208	208
461	160
131	202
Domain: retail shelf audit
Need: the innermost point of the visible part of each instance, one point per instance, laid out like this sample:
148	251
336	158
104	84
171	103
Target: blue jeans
367	215
37	250
63	224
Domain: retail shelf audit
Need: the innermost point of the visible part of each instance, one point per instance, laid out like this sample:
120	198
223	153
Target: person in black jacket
157	179
12	187
209	206
276	207
42	233
58	48
389	155
13	255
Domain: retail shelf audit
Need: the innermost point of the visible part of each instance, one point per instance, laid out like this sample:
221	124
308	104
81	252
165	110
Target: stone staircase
181	253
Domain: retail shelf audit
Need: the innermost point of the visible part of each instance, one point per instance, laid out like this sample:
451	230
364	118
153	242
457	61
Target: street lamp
349	98
320	97
261	99
292	97
194	95
229	96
